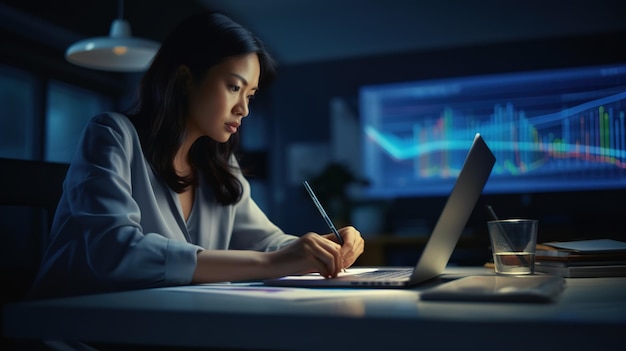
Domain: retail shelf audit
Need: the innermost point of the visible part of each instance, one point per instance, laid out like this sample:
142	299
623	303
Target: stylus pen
321	209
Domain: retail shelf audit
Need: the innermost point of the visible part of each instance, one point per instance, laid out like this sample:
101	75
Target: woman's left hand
353	244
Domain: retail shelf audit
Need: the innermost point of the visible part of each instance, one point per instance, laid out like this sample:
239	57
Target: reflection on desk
590	312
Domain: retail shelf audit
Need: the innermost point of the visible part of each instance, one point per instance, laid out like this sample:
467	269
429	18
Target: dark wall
297	108
300	112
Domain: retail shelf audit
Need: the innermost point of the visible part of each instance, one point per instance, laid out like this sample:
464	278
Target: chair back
29	194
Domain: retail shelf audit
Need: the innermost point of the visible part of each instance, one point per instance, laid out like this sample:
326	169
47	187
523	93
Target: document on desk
259	290
317	276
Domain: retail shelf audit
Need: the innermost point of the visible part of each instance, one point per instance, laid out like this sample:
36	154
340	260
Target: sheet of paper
316	276
261	291
288	293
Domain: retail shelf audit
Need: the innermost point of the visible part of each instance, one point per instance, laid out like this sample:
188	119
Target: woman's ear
183	79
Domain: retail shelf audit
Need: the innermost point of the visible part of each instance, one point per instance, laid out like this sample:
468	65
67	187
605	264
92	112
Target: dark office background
294	111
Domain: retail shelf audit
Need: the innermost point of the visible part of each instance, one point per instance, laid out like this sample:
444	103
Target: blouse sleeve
97	241
252	229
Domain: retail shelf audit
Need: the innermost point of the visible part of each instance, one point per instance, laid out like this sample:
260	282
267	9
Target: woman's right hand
311	253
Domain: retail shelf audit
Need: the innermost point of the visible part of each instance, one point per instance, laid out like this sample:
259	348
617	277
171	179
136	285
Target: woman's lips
232	127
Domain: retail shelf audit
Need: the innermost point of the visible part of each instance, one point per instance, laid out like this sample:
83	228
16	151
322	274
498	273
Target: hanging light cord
120	9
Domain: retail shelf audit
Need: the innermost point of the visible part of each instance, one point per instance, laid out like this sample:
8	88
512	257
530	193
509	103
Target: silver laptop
443	239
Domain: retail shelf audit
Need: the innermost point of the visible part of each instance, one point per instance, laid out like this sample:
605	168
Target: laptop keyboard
396	274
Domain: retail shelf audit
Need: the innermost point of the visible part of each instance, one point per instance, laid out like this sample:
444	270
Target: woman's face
219	103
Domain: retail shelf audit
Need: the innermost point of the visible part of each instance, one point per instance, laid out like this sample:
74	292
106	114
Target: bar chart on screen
556	130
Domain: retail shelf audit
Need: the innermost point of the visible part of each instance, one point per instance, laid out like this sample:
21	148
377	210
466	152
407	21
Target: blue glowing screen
551	130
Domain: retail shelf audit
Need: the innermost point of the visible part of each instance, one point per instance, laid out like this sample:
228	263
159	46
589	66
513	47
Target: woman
156	198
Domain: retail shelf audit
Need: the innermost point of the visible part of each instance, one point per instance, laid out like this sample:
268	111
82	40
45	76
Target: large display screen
550	130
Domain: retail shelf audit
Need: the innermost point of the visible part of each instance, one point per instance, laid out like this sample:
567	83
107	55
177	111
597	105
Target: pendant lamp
118	52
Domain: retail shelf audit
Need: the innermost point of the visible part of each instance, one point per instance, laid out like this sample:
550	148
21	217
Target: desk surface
589	313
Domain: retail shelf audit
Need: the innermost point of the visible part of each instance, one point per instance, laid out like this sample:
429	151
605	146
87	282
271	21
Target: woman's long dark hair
199	43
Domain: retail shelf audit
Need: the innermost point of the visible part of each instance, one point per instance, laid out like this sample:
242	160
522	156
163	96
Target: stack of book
582	258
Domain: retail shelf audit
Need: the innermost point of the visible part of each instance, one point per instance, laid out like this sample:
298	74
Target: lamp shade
117	52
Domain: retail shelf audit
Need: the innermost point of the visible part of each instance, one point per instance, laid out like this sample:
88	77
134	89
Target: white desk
591	313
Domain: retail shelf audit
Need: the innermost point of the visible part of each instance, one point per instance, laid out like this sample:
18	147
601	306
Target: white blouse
118	226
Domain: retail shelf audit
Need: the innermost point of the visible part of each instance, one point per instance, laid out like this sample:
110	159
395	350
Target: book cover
597	251
582	271
595	246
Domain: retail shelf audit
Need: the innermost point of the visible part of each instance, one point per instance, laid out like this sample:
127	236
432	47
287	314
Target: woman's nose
242	107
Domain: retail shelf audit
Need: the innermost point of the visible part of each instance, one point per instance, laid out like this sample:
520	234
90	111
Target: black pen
492	213
321	209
